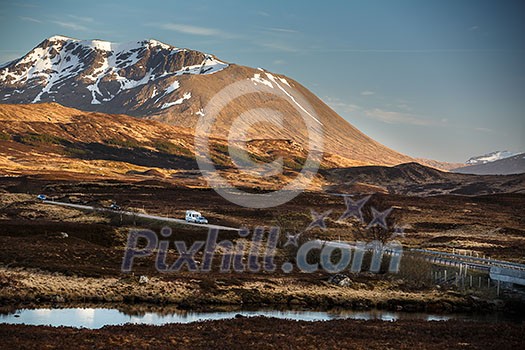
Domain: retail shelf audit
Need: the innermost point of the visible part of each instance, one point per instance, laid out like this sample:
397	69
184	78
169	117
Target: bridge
499	270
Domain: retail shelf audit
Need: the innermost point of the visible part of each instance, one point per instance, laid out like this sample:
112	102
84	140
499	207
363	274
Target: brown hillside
48	139
152	80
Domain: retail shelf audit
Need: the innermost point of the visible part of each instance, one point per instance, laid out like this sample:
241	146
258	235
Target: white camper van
195	216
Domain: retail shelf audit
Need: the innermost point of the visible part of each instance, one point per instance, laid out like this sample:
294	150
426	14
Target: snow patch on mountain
490	157
505	166
284	81
97	65
257	79
272	79
172	87
184	97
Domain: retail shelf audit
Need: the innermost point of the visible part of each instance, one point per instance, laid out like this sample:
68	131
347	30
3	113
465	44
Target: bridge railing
470	260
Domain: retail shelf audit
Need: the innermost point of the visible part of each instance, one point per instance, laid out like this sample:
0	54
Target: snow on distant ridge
61	38
110	46
490	157
59	58
510	165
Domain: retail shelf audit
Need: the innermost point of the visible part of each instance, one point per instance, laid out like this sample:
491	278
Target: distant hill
511	165
489	157
416	179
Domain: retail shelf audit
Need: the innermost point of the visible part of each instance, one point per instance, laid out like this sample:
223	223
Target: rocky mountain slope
152	80
99	75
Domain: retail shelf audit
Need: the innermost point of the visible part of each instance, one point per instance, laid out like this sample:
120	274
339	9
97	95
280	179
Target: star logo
379	218
318	220
292	239
354	208
398	231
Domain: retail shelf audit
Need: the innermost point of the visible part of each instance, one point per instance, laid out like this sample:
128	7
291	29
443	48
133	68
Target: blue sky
435	79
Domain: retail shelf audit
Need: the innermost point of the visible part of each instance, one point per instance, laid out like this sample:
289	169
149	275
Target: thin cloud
391	117
82	19
349	108
367	93
336	104
27	5
70	25
30	19
404	106
274	46
410	51
283	30
483	129
473	28
196	30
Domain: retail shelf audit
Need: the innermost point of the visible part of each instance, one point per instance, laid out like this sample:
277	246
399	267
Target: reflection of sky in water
97	318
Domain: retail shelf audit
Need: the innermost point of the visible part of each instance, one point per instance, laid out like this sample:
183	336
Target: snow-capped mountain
153	80
490	157
514	164
87	73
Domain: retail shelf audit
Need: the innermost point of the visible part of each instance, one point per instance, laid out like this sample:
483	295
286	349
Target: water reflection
99	317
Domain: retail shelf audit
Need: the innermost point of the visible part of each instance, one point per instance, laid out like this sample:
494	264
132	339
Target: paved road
141	215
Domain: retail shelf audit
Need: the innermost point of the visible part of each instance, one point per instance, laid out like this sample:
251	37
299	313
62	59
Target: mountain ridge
60	68
489	157
418	180
506	166
152	80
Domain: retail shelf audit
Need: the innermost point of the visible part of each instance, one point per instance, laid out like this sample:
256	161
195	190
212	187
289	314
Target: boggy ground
269	333
39	266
